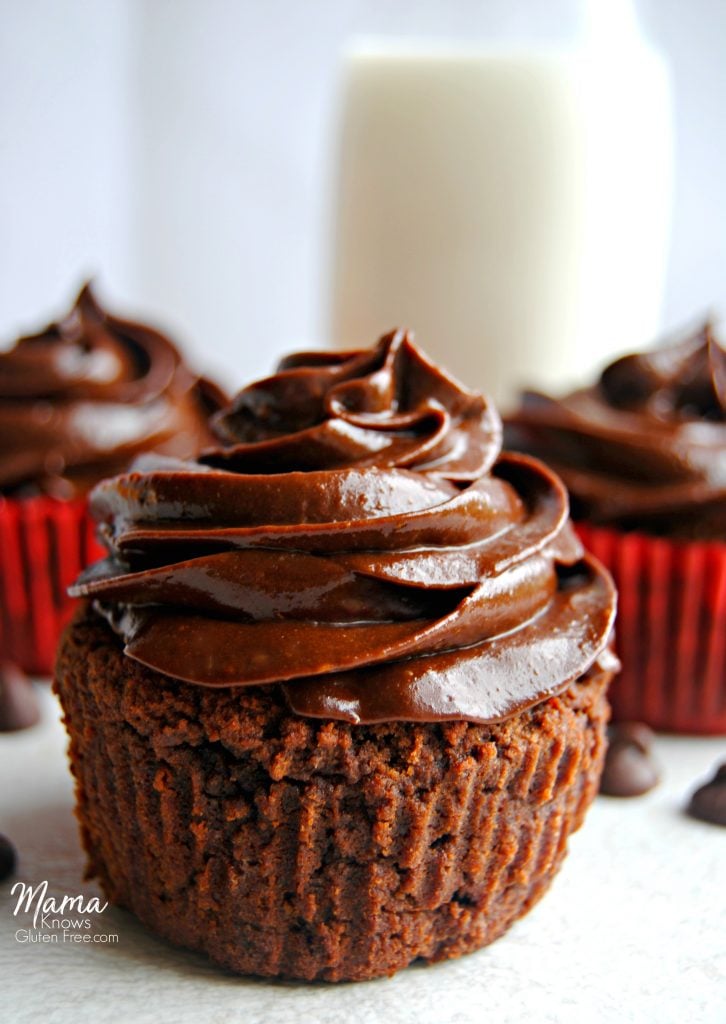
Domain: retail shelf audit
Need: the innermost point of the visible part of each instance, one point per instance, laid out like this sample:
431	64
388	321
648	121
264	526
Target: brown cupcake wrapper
320	850
670	629
44	545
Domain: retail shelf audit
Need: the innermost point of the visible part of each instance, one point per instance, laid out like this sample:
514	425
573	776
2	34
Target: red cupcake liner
670	629
44	544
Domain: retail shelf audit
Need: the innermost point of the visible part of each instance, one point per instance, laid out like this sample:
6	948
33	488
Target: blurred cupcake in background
643	453
78	401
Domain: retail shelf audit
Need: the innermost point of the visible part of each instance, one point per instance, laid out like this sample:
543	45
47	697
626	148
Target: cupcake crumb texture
288	846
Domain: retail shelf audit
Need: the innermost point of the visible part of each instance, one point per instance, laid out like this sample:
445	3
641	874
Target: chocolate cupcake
643	454
338	694
77	403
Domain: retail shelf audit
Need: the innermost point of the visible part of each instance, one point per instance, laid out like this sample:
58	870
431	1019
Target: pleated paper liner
308	848
670	630
44	544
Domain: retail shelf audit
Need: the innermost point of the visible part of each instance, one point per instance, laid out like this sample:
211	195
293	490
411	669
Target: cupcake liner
44	544
313	849
670	629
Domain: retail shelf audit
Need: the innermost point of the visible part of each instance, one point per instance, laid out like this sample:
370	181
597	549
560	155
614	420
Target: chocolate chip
708	803
7	858
629	767
18	703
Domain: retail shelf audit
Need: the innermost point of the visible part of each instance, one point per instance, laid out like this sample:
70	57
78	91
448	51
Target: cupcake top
357	537
645	447
85	396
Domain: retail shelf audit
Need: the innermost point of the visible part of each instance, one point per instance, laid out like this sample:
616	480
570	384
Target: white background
631	931
179	150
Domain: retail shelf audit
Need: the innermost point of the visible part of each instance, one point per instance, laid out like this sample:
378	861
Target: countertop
633	929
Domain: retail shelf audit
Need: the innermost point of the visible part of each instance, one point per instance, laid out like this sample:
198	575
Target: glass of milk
511	207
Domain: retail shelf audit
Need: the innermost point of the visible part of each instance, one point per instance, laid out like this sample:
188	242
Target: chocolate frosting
357	537
85	396
645	447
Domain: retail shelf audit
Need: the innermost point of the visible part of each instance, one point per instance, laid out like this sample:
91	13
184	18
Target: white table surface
633	929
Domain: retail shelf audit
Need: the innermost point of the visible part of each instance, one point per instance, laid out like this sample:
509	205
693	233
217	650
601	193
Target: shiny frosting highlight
84	397
358	537
645	447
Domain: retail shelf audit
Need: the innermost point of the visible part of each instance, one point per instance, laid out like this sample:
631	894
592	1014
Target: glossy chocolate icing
358	537
645	447
84	397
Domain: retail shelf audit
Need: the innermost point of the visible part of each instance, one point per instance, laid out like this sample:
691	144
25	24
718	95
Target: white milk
510	207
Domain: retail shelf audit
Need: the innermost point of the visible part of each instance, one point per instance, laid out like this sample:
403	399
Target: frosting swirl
358	538
645	447
85	396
